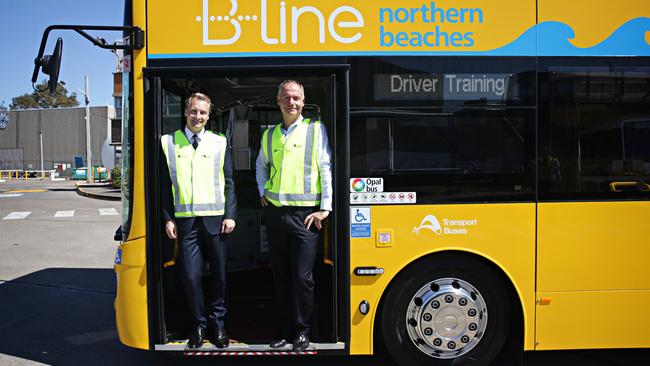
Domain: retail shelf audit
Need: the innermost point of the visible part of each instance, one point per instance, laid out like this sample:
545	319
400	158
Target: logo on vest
448	227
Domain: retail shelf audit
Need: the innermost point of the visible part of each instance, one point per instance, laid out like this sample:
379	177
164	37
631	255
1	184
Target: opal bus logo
448	227
358	185
429	222
372	185
287	20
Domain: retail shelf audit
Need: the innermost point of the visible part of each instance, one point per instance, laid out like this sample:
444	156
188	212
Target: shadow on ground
65	316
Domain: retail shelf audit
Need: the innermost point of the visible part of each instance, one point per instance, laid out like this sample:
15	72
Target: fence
11	174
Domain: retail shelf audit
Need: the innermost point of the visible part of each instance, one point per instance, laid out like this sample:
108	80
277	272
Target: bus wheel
447	311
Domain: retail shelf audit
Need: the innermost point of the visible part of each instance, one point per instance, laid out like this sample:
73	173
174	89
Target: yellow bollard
26	174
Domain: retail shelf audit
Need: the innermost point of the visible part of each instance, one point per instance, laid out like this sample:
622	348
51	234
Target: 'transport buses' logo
429	222
448	227
358	185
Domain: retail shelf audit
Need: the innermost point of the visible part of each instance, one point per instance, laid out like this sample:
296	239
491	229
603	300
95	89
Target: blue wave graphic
525	45
628	39
553	39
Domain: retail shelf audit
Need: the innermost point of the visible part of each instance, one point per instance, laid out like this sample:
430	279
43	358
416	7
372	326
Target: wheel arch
517	328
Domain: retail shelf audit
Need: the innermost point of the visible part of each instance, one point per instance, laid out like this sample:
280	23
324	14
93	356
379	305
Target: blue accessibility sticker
118	256
360	222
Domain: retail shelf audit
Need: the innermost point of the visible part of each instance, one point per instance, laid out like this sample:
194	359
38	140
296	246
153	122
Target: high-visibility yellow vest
294	177
196	175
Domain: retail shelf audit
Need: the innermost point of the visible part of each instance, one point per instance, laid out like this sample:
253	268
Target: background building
64	137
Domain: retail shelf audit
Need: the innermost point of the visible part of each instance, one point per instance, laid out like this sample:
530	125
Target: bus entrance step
245	349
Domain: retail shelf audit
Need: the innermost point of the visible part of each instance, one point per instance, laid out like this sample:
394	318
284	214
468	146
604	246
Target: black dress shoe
301	342
221	339
278	343
196	338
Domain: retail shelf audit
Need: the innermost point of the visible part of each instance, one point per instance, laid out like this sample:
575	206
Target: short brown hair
199	96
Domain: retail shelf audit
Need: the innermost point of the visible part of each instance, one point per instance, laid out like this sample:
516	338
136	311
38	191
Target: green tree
42	98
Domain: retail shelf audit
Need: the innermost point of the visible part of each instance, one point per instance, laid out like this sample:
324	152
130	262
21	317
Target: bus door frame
338	70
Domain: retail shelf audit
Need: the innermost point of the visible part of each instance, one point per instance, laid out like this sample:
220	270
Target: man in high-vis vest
203	212
294	179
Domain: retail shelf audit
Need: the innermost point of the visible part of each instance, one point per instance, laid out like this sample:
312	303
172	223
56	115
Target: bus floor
253	315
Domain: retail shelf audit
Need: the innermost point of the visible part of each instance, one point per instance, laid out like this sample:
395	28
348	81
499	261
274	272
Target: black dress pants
293	252
195	239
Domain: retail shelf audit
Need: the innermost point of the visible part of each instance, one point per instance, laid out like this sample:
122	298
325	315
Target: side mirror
50	65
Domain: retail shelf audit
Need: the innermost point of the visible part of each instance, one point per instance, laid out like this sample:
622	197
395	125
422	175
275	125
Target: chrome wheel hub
446	318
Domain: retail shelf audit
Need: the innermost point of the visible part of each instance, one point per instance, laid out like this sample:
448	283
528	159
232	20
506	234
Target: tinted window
594	129
467	155
451	129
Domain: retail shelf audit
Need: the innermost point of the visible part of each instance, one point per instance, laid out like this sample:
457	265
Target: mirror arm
136	40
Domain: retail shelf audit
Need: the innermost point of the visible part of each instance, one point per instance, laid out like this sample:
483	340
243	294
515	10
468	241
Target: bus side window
585	152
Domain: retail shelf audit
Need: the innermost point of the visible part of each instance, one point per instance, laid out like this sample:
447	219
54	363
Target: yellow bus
491	171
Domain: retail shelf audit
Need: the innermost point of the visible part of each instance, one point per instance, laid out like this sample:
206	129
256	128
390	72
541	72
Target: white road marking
107	212
10	195
17	215
64	213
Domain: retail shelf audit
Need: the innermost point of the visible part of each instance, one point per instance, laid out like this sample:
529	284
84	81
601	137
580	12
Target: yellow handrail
172	262
615	186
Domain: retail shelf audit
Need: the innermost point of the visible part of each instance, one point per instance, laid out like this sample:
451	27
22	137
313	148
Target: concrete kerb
96	195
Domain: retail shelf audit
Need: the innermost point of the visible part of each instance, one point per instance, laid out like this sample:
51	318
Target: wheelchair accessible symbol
360	222
359	216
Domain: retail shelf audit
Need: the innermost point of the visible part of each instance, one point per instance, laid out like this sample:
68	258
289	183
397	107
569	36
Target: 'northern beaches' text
436	30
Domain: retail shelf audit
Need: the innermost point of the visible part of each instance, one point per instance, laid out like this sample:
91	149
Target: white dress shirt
189	134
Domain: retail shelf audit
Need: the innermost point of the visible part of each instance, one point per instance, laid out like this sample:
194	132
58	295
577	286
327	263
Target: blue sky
21	30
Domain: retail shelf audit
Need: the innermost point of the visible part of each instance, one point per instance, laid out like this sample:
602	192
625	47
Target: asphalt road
57	287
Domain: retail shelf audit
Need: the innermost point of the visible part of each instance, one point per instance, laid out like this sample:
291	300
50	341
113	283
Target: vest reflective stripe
269	145
205	196
171	163
309	150
292	196
289	192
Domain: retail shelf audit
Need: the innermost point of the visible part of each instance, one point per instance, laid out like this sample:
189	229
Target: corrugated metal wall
11	159
64	134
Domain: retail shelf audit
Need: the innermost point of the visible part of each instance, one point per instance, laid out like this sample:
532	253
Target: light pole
40	134
89	151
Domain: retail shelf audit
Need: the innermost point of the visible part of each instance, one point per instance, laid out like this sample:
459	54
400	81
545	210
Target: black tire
438	295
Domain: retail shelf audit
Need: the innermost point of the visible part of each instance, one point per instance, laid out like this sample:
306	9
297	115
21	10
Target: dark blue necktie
195	144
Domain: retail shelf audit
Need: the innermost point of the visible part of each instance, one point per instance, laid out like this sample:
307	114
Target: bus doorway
243	106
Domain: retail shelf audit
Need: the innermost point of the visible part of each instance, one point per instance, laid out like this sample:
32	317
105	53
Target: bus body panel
593	319
504	234
385	27
138	217
131	300
578	242
592	260
317	28
131	315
